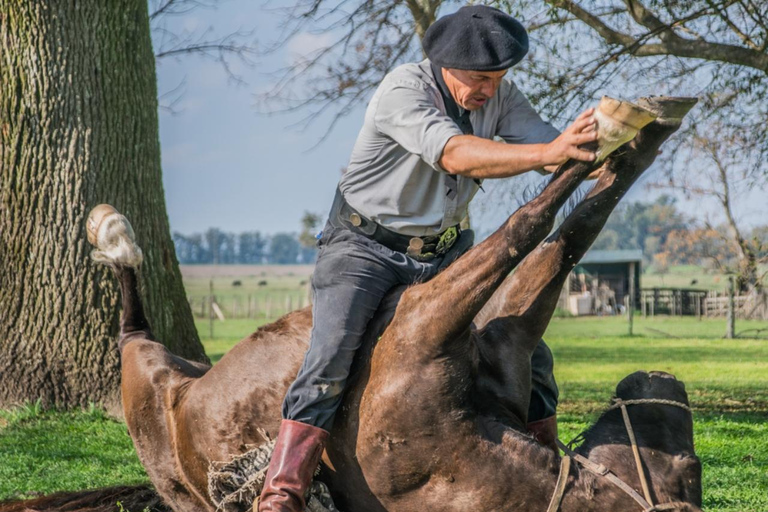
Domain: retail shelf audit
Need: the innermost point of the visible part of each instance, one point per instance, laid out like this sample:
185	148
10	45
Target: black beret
478	38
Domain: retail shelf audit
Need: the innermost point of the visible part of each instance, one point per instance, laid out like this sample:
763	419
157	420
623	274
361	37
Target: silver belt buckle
415	245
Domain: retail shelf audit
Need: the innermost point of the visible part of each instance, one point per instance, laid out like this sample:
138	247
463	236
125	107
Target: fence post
730	332
698	307
210	309
631	302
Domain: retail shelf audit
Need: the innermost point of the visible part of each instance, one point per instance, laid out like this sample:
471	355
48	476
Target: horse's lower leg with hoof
115	242
526	302
473	279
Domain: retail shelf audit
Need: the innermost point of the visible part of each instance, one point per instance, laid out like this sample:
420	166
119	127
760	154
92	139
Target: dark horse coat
433	417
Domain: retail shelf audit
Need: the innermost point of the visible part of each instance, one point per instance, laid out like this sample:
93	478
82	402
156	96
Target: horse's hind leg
113	236
153	379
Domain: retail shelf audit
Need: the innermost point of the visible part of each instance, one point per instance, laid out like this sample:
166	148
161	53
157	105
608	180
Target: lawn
45	451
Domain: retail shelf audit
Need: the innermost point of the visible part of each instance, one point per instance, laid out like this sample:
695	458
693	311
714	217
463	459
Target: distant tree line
251	247
668	237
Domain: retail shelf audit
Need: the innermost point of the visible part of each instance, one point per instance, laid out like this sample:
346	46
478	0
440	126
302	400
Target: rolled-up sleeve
519	123
407	113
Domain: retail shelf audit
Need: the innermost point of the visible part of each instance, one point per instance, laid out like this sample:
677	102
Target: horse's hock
433	415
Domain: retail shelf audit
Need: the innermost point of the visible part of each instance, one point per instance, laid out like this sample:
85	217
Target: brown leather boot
545	432
297	453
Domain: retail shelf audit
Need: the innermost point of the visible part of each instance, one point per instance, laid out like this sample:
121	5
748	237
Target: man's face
471	89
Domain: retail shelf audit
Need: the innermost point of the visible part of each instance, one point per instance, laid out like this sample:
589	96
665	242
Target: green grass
727	381
682	276
46	451
225	334
264	290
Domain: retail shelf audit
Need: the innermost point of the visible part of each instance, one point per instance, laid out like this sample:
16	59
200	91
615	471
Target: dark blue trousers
351	277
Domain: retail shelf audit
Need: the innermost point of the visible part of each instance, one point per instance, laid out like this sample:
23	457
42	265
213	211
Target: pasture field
727	380
247	291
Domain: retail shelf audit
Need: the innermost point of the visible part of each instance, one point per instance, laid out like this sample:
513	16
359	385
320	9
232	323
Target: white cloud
191	23
305	44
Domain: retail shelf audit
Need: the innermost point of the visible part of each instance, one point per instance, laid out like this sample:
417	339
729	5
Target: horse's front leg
513	322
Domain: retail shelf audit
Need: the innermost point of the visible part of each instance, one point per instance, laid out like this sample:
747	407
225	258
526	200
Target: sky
228	166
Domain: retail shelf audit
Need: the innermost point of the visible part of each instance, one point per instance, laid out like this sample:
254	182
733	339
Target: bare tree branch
670	42
168	43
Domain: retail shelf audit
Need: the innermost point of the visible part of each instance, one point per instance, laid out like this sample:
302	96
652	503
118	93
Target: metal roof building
613	274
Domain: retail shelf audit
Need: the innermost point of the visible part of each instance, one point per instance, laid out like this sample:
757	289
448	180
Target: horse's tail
115	242
137	498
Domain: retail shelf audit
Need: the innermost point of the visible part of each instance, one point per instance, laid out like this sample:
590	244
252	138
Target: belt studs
415	245
355	219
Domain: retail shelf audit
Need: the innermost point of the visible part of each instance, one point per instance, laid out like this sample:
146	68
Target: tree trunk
78	115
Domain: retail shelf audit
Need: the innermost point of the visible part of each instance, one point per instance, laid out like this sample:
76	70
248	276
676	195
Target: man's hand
566	146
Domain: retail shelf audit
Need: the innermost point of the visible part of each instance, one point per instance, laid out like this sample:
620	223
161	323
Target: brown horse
434	415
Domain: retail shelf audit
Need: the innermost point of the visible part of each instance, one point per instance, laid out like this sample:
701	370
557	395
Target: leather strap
461	118
562	479
600	470
636	453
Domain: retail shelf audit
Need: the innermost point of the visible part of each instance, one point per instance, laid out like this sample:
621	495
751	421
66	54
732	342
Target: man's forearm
475	157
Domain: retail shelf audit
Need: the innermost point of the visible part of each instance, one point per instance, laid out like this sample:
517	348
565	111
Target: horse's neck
523	461
606	443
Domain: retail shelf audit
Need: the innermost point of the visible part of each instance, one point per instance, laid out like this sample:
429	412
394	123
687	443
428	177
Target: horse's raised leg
531	293
433	319
151	376
514	320
419	401
467	284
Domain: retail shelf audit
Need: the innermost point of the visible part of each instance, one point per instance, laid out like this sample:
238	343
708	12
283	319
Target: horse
434	414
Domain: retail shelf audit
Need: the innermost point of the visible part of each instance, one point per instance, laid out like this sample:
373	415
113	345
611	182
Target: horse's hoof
668	109
112	235
617	123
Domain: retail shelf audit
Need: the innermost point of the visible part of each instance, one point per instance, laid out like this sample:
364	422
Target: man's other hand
566	146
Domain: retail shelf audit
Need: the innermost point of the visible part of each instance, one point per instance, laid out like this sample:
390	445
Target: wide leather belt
421	248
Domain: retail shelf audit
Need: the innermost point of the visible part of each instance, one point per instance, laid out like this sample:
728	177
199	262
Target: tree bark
78	123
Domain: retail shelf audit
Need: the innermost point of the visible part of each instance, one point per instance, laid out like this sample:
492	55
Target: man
424	147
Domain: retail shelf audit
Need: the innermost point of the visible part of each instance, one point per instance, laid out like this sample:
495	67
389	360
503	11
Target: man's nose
489	88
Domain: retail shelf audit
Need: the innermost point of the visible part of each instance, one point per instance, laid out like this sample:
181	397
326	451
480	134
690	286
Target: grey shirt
394	177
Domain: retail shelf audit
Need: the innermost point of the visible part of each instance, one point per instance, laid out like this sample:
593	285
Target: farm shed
601	282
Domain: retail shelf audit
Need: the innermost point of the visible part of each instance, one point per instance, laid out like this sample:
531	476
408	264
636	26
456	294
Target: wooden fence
672	301
689	302
753	306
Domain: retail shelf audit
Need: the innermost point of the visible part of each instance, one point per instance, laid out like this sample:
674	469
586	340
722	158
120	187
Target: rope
236	484
617	403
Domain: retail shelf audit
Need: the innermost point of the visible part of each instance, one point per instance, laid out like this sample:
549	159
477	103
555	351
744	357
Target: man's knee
544	392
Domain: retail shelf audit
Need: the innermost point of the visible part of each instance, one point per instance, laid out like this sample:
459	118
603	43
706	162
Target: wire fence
268	306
